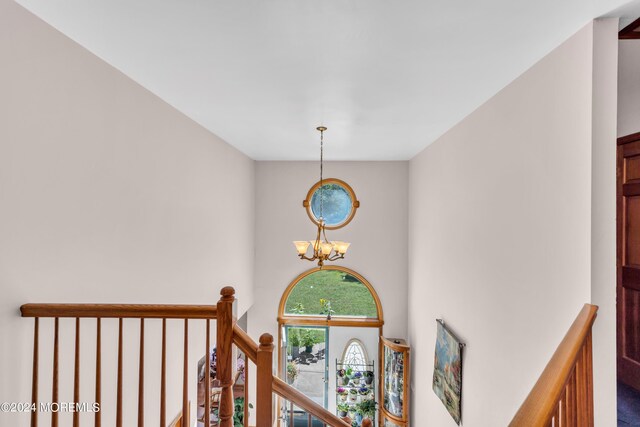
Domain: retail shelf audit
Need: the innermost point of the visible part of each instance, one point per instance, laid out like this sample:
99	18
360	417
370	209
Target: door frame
284	320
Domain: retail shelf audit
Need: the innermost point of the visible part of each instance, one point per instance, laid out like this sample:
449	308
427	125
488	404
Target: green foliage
347	295
343	406
309	337
238	414
292	372
367	407
298	309
326	307
294	337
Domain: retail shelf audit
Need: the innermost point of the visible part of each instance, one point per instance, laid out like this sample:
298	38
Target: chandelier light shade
322	249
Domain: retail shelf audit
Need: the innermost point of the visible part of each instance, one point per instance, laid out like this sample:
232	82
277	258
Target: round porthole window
338	202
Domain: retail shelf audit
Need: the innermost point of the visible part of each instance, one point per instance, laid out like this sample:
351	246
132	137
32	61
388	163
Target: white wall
629	87
603	217
107	194
380	222
500	237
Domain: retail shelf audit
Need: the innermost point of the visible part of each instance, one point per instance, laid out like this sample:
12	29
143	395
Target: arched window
332	290
354	354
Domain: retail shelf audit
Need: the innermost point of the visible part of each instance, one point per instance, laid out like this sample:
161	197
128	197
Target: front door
628	260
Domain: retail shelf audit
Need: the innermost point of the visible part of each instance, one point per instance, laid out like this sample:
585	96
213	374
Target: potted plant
326	308
359	413
356	377
343	378
294	343
368	377
353	395
348	372
342	392
307	340
368	408
363	392
292	372
343	408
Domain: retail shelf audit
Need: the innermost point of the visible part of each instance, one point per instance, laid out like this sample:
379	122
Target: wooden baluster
309	422
185	377
563	410
224	341
163	377
573	402
246	390
119	385
34	373
207	379
589	364
98	416
141	377
580	398
264	386
54	392
76	376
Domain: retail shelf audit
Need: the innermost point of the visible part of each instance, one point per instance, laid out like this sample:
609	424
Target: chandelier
322	249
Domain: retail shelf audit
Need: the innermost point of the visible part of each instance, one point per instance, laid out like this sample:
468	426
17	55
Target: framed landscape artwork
447	371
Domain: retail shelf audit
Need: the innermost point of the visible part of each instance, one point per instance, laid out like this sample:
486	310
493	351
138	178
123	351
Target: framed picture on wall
447	371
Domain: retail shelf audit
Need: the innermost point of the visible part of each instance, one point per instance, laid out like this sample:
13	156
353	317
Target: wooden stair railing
227	334
563	395
120	312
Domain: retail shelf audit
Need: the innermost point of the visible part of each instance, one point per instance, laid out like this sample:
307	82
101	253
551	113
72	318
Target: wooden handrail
286	391
245	343
121	311
564	390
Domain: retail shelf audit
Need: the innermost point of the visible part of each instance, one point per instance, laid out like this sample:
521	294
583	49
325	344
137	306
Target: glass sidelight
306	366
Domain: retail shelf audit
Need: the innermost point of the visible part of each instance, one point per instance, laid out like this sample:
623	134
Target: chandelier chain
321	183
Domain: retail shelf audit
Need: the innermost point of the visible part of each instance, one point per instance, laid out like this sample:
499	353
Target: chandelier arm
324	234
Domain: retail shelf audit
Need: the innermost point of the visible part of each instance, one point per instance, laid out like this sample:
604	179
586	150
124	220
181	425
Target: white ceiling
387	77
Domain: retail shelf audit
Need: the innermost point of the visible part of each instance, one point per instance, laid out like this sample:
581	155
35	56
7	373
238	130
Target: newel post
224	363
264	383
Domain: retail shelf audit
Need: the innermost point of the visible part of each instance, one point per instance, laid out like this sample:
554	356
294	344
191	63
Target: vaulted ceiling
386	77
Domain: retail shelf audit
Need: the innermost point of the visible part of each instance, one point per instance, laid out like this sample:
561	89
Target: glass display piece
393	381
388	423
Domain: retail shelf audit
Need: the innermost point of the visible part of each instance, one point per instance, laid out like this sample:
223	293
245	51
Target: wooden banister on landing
79	312
121	311
227	333
563	395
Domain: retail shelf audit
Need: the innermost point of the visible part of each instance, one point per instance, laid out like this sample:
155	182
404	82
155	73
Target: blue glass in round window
337	204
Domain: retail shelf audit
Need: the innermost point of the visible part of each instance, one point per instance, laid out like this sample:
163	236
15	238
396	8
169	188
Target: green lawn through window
348	296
